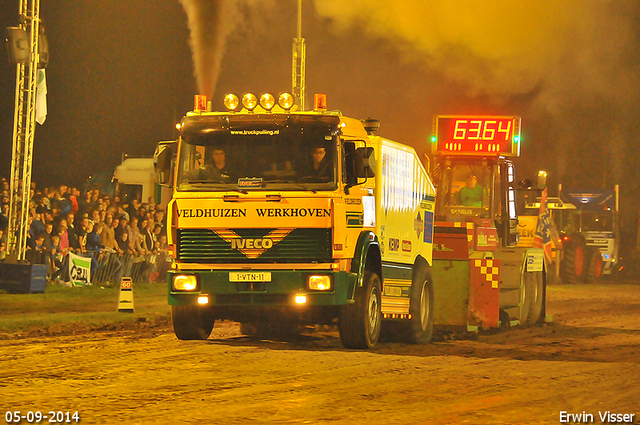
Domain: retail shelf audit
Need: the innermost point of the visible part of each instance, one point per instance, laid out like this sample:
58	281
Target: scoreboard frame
478	135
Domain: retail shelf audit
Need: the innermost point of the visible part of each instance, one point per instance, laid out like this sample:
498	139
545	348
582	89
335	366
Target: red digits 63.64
482	130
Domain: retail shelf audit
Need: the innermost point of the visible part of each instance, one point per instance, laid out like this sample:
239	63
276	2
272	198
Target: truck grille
301	245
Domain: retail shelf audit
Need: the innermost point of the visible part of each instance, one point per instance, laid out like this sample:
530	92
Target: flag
79	270
542	237
41	97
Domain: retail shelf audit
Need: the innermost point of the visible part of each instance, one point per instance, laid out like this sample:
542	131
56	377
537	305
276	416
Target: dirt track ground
587	360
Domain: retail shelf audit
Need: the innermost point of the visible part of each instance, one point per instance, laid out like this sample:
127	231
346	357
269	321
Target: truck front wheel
360	322
420	326
191	322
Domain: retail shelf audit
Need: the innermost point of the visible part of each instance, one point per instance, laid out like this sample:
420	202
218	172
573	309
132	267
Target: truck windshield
596	221
258	152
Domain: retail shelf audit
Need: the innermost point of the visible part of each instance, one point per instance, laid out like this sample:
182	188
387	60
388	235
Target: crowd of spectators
122	239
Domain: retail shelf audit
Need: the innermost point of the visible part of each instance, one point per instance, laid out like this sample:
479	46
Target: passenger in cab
319	169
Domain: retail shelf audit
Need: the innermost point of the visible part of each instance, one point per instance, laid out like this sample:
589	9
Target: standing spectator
83	231
4	217
36	254
112	248
57	257
108	237
149	236
36	227
134	205
158	217
95	193
73	198
93	238
120	225
81	234
74	243
48	231
84	205
94	215
134	236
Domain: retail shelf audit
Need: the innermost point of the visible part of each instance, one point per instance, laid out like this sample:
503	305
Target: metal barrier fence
140	268
109	266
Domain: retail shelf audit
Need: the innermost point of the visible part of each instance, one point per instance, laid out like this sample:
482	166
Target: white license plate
250	277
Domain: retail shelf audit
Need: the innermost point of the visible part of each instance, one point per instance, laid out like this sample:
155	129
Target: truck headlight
185	282
319	282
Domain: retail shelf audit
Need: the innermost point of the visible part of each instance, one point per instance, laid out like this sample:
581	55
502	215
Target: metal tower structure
299	56
23	134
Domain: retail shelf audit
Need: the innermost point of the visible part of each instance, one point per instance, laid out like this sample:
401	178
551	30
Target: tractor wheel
535	291
360	322
419	329
191	322
572	265
525	298
594	265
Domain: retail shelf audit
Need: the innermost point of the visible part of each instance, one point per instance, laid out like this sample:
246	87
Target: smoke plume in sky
505	48
575	62
210	23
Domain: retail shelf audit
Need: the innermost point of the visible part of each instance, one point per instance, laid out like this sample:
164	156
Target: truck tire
594	265
572	265
419	329
536	296
191	322
360	322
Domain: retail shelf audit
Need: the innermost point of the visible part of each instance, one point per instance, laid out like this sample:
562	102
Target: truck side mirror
162	163
364	158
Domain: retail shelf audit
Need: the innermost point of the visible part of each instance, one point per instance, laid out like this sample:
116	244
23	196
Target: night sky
121	75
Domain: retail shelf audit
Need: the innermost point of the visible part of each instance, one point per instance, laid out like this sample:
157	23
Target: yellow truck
282	217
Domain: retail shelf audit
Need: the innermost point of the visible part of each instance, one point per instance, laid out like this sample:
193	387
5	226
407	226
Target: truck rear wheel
594	265
191	322
360	322
572	265
535	292
419	329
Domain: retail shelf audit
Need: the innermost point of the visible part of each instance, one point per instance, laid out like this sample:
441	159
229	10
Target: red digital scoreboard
476	135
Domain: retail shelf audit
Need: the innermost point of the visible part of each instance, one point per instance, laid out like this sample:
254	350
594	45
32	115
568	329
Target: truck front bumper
285	288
